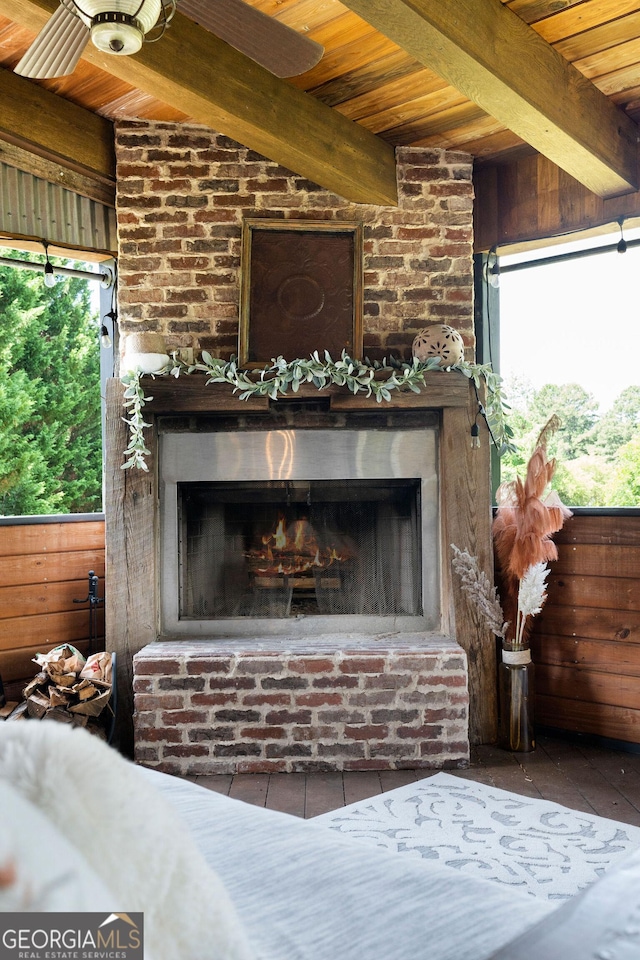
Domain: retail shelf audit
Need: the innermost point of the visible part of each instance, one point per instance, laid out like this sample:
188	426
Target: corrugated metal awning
31	207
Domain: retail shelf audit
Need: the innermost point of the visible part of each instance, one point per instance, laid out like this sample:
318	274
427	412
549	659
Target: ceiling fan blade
57	48
280	49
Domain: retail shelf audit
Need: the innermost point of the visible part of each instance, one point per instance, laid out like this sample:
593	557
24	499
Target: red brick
232	683
277	750
186	295
417	233
249	665
186	750
315	733
288	716
443	679
188	263
453	663
389	681
173	183
379	764
363	665
262	766
213	699
166	667
233	715
386	749
435	746
344	682
414	662
207	665
263	733
366	732
311	665
174	717
157	734
444	713
126	170
145	701
341	750
271	699
429	731
202	734
341	716
318	699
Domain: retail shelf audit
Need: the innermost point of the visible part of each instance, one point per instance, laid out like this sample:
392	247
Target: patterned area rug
543	848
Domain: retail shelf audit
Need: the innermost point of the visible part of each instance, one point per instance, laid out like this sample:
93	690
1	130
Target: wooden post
466	508
130	565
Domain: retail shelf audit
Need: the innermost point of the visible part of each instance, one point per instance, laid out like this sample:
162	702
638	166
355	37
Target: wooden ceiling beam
495	59
211	82
59	132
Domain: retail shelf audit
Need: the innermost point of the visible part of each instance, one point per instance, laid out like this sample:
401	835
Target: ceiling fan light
116	36
119	26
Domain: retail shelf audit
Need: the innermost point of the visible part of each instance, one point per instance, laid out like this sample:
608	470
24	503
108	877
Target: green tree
623	489
578	411
50	433
620	424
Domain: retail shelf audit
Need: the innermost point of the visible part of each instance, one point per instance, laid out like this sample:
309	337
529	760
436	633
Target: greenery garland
276	380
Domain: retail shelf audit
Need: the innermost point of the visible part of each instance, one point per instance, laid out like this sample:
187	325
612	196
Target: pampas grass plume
531	596
476	585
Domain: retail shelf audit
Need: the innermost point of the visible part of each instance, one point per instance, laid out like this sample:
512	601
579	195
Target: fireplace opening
298	532
291	548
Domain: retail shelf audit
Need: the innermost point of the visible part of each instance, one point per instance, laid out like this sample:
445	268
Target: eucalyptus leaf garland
283	376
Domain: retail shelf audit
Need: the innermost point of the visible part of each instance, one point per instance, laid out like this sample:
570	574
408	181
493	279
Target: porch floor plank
325	791
250	787
287	792
573	772
361	786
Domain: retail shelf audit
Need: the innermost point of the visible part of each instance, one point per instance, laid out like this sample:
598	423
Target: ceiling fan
121	27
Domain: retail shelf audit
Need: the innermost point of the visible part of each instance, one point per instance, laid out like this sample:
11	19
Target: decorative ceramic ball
146	352
439	340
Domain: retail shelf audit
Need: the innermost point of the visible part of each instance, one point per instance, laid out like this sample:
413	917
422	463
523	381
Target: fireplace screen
298	532
291	548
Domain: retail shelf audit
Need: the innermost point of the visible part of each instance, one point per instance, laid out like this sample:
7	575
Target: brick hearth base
268	706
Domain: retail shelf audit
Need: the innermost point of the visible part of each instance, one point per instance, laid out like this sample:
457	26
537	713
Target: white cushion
129	834
41	870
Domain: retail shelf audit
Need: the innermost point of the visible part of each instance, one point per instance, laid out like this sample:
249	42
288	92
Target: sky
577	321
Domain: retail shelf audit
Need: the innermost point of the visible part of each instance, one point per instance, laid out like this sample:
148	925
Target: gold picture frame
301	290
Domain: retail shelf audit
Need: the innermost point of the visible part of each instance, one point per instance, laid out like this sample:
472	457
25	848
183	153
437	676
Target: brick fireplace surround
325	703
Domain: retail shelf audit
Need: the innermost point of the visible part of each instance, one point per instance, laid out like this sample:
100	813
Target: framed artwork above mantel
301	290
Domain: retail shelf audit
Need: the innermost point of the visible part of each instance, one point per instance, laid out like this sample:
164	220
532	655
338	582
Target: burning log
293	549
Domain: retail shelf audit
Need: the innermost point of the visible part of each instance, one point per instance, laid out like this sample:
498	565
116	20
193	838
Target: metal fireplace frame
299	454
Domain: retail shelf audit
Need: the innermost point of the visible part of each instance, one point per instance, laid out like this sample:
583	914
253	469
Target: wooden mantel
132	518
191	394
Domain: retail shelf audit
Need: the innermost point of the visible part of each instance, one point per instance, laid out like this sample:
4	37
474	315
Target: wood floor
580	775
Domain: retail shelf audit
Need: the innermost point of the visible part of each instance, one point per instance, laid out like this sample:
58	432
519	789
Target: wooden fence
586	642
44	567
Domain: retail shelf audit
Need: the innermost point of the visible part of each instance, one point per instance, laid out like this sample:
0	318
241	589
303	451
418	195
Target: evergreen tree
50	431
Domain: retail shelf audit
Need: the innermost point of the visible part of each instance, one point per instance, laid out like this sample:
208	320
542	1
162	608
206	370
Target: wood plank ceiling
488	77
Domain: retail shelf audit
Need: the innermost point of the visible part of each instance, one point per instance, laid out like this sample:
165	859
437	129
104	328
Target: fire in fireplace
319	530
289	548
